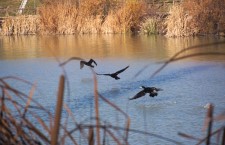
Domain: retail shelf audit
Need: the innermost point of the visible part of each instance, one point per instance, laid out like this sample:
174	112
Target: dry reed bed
20	25
191	17
90	16
178	23
196	17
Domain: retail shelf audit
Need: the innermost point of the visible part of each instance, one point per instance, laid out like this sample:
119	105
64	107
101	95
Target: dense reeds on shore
187	18
89	16
195	17
20	25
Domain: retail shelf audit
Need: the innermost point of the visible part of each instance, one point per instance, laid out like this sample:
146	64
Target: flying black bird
82	62
114	75
89	63
151	90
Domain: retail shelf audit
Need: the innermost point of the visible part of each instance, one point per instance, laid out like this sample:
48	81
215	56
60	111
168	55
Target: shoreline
176	20
34	30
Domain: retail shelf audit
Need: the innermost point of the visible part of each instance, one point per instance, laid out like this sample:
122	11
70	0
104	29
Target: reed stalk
210	121
97	109
91	140
58	110
223	137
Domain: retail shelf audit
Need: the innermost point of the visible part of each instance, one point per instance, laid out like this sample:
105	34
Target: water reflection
99	46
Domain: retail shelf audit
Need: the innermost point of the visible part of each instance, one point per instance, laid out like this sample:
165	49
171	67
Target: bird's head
142	87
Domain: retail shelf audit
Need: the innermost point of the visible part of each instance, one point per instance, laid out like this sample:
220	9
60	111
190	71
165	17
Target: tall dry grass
79	17
127	18
20	25
178	23
58	18
208	16
91	16
196	17
149	26
191	17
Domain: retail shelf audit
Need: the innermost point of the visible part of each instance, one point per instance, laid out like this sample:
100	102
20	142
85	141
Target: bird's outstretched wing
138	95
120	71
103	74
92	60
72	58
81	64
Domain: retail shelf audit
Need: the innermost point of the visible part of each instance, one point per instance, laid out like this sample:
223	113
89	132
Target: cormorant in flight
89	63
151	90
82	62
115	75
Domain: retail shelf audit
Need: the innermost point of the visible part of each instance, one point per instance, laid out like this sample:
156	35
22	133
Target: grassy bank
110	16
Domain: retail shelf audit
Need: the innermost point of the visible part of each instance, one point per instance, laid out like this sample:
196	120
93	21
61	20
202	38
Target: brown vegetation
208	16
178	22
196	17
89	16
191	17
20	25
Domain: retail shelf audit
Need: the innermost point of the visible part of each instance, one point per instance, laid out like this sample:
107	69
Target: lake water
188	85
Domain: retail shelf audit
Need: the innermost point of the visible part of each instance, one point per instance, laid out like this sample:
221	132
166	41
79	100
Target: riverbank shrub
20	25
208	16
178	23
91	16
196	17
57	18
125	18
149	26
